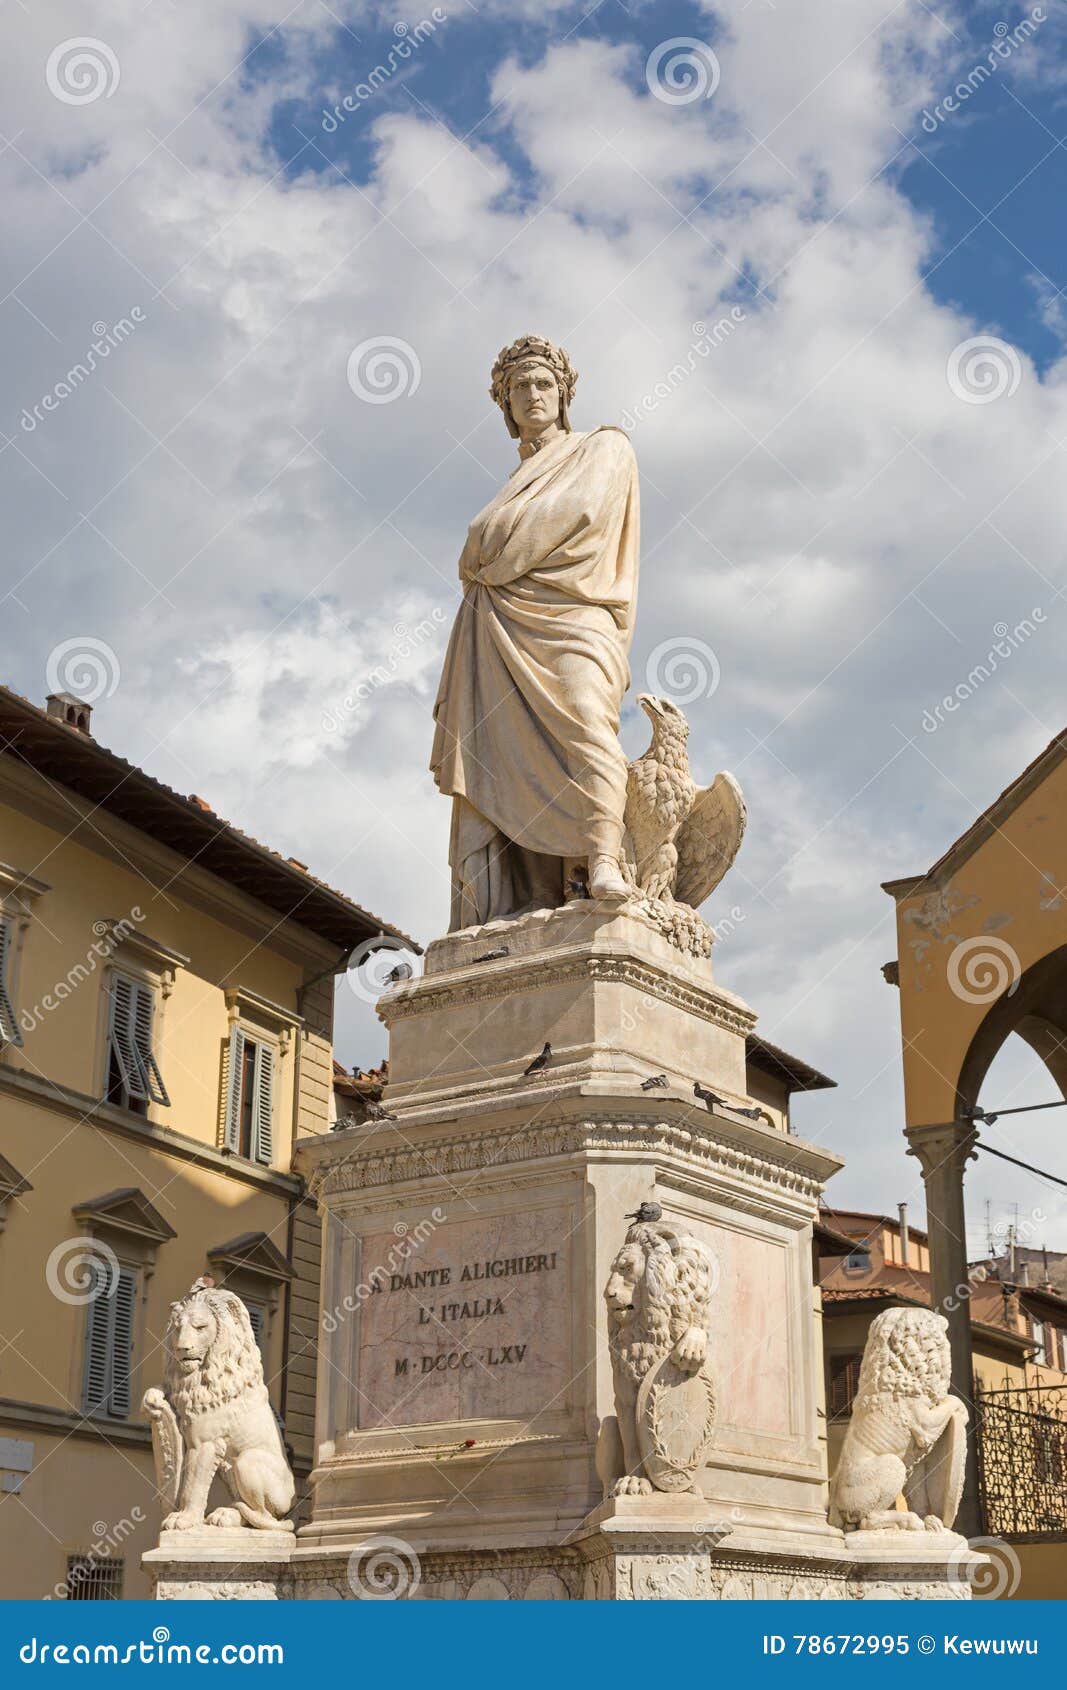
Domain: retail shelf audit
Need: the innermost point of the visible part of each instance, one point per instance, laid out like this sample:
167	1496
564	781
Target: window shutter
10	1031
143	1016
844	1383
232	1066
124	1303
98	1339
264	1103
255	1320
123	992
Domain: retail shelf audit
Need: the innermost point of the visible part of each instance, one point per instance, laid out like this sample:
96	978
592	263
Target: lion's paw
183	1521
224	1517
631	1485
933	1523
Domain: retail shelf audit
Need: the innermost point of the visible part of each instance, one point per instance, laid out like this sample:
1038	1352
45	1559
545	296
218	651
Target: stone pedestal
221	1563
542	1078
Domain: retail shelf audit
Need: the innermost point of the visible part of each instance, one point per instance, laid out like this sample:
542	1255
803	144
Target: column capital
943	1146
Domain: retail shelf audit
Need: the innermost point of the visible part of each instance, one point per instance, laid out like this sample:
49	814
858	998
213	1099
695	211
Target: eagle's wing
709	840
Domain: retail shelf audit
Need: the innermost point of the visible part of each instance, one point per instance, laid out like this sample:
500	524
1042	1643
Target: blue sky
824	508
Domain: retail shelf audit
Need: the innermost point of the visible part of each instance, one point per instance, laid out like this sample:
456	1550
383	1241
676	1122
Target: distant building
166	1020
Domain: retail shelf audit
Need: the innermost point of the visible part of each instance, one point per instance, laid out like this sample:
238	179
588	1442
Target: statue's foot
184	1520
631	1485
224	1517
605	879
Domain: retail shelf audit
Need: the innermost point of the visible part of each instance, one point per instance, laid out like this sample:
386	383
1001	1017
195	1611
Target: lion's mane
233	1366
907	1355
672	1295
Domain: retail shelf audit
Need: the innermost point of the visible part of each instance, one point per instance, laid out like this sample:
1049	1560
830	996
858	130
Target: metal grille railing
1021	1438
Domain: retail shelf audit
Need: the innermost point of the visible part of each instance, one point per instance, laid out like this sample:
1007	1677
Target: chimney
902	1210
76	713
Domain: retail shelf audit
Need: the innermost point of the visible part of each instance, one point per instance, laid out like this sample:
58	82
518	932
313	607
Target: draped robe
527	712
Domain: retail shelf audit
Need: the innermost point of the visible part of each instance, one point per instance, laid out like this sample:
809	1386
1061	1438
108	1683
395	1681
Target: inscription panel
474	1325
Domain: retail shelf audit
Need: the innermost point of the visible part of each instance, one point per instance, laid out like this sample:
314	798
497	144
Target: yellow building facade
166	1013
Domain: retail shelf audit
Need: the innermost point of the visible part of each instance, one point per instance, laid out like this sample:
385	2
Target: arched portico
982	954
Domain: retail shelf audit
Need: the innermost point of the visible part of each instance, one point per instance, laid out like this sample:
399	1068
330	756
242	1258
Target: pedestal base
659	1548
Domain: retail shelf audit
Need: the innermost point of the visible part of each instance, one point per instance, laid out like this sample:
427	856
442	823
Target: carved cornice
435	993
482	1152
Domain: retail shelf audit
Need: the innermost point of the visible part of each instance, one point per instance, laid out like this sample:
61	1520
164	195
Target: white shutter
233	1067
98	1339
143	1017
123	994
124	1303
10	1031
263	1117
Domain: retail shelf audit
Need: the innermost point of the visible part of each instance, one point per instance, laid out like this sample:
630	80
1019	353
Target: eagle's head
668	722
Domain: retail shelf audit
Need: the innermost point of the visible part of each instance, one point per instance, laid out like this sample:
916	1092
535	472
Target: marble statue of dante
527	712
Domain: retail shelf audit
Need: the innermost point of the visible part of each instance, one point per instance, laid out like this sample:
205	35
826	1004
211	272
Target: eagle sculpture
681	838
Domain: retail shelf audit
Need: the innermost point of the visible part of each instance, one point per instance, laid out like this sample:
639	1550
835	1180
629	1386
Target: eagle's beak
649	704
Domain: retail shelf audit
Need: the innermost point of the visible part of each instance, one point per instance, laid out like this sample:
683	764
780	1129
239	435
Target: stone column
943	1151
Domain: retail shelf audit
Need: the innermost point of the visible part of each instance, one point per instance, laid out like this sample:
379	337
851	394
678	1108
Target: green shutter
143	1018
124	1303
10	1031
263	1148
123	994
98	1339
233	1065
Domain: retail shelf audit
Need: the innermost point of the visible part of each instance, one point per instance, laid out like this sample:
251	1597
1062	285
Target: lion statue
907	1434
214	1416
658	1295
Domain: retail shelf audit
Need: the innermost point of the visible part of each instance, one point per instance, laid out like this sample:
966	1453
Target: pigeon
540	1063
644	1213
402	971
654	1082
493	956
713	1101
681	838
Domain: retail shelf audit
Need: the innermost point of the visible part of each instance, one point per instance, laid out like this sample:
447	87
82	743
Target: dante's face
533	395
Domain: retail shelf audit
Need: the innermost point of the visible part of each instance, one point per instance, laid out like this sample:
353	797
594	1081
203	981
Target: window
94	1578
257	1319
843	1378
858	1260
1041	1345
10	1031
109	1339
133	1077
248	1097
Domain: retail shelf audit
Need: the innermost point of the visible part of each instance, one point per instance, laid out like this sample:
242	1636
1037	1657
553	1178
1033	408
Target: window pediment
126	1211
